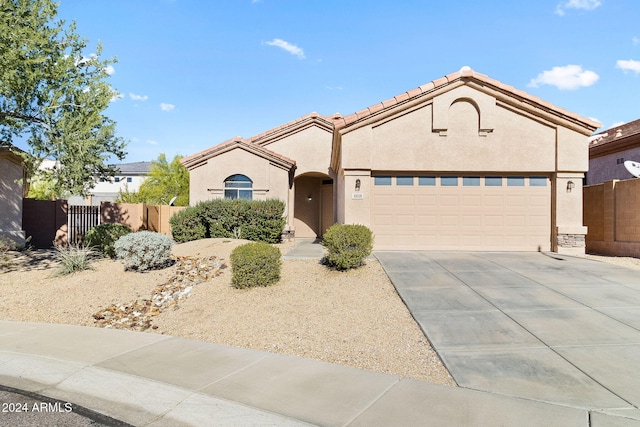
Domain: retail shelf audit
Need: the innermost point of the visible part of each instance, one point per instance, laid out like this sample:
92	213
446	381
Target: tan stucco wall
11	199
310	148
269	181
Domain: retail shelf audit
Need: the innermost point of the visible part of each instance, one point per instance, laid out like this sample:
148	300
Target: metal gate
80	220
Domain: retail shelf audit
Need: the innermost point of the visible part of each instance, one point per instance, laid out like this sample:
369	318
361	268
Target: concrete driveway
532	325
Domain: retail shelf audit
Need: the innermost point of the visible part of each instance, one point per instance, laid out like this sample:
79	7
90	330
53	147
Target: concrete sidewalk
154	380
550	328
306	249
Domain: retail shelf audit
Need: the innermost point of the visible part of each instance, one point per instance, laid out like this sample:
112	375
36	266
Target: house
128	178
464	162
12	178
608	150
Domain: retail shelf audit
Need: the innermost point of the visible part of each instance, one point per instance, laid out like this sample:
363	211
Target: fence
51	223
612	215
80	220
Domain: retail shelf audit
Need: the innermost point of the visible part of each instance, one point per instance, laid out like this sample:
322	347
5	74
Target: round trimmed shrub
104	236
348	245
255	264
144	250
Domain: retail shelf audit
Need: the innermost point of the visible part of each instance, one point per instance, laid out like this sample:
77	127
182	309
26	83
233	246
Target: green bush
73	258
257	220
186	225
144	250
255	264
104	236
347	245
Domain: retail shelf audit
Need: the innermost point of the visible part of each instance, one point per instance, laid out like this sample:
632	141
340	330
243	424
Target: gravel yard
353	318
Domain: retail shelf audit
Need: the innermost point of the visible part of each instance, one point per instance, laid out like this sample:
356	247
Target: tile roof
195	159
608	136
141	168
312	117
464	73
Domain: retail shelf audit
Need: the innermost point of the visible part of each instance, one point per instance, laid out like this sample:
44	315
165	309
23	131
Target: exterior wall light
309	198
358	184
570	186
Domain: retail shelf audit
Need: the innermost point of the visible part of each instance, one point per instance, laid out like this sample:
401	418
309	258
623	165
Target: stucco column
569	231
357	202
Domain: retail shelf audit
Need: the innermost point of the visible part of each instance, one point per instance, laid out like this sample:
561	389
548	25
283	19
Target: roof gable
198	159
300	124
464	76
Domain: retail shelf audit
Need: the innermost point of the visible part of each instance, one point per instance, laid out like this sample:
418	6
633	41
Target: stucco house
12	174
464	162
609	149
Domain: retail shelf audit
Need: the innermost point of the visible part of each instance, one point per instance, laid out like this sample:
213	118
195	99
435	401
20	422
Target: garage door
483	213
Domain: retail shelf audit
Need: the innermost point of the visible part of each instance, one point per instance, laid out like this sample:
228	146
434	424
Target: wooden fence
50	223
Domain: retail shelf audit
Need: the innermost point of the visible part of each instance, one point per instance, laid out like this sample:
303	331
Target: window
515	181
471	181
382	180
426	180
449	181
129	179
117	179
620	161
493	181
537	181
404	180
238	187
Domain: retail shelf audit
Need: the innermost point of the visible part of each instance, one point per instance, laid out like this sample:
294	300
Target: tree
54	96
166	181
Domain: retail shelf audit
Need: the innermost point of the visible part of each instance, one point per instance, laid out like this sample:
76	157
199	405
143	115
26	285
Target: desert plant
6	245
73	258
104	236
348	245
255	264
258	220
144	250
187	225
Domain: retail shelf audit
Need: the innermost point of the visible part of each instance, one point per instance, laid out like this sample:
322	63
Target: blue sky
194	73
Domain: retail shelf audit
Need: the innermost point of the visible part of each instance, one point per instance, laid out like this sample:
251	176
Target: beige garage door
484	213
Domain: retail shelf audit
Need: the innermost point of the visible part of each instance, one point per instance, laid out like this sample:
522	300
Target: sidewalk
156	380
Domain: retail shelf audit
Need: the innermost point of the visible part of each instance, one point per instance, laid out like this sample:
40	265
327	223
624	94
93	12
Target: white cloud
109	69
568	77
115	95
167	107
334	87
616	124
577	4
256	1
635	40
291	48
138	97
628	65
151	142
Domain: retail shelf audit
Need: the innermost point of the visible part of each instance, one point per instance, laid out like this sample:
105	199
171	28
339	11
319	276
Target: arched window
238	187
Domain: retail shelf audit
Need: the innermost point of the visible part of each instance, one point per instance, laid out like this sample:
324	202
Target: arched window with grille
238	187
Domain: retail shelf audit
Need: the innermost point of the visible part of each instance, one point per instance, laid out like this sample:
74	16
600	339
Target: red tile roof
195	159
463	73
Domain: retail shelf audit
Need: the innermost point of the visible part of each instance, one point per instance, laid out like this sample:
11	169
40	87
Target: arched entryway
313	204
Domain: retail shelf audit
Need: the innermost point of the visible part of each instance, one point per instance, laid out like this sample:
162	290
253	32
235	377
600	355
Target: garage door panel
462	217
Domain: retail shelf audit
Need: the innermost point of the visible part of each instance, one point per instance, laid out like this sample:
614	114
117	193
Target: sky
191	74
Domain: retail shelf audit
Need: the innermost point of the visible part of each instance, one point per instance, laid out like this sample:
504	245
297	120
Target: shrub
73	258
347	245
257	220
144	250
187	225
255	264
104	236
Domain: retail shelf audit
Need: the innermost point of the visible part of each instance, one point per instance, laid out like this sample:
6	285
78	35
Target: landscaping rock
138	315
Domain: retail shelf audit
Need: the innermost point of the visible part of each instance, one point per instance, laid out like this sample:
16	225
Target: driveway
538	326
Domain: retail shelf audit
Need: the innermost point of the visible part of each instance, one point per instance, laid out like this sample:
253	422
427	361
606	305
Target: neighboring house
12	174
128	178
464	162
608	150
